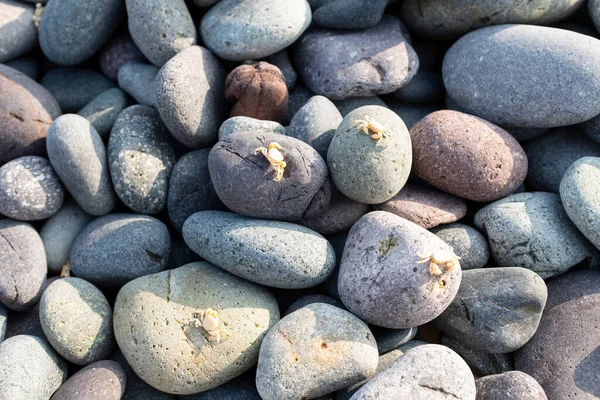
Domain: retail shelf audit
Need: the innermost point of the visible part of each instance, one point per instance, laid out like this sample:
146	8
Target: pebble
246	124
71	32
380	279
160	29
59	232
281	60
542	77
339	216
19	35
315	351
189	92
190	188
424	372
512	384
79	157
29	369
424	206
73	88
29	189
331	62
424	87
468	244
103	110
141	158
312	299
467	156
28	64
176	357
102	380
532	230
244	180
352	103
522	134
391	339
368	170
413	113
137	389
116	248
26	111
271	253
563	354
481	363
297	98
238	30
119	50
25	323
347	14
137	80
579	193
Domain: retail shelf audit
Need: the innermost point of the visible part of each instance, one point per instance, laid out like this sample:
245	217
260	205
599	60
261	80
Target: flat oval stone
468	243
247	124
141	158
116	248
119	50
245	181
248	30
102	380
568	323
154	327
22	258
29	189
160	29
425	206
78	156
370	170
103	110
515	384
137	79
429	371
26	111
77	320
71	32
347	14
467	156
30	368
341	214
19	35
580	195
481	362
496	310
272	253
314	351
532	230
190	96
542	77
382	278
331	62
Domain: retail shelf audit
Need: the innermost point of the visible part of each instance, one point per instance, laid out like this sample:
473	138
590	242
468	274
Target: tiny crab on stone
210	323
275	158
439	260
37	16
368	125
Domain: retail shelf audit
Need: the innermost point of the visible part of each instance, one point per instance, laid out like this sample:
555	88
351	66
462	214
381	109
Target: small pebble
509	385
347	14
103	110
468	243
481	363
137	80
28	64
246	124
339	216
424	87
102	380
391	339
19	35
119	51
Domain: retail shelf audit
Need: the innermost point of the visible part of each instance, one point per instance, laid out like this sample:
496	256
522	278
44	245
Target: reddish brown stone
467	156
257	90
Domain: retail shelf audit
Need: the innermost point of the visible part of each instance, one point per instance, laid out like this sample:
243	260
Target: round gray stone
247	124
339	216
141	158
102	380
152	327
512	384
190	96
29	189
116	248
312	299
481	363
137	79
542	77
160	29
424	87
368	170
103	110
468	243
347	14
77	321
391	339
314	351
19	35
3	318
78	156
272	253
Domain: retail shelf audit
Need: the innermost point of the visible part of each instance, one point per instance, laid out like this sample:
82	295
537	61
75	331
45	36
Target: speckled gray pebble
468	243
19	35
381	279
247	124
165	349
347	14
413	113
59	232
77	321
103	110
428	371
160	29
117	248
281	60
72	31
79	157
137	80
141	158
365	169
190	96
532	230
29	369
30	189
314	351
424	87
481	363
542	77
102	380
3	318
390	339
311	299
73	88
352	103
272	253
509	385
591	128
341	214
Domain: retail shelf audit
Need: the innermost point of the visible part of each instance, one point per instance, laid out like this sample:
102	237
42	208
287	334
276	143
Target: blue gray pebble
28	64
281	60
468	243
247	124
390	339
103	110
424	87
19	34
137	79
311	299
481	362
347	14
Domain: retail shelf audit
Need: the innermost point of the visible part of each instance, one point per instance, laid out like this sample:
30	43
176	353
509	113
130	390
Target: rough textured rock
103	110
137	80
509	385
481	363
468	243
119	51
347	14
19	35
102	380
341	214
245	124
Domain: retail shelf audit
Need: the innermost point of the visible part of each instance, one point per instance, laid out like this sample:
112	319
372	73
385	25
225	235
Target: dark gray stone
137	389
468	243
390	339
352	103
312	299
281	60
237	389
509	385
347	14
481	363
137	80
19	34
424	87
591	128
341	214
120	50
25	323
297	98
247	124
28	64
181	254
102	380
3	318
413	113
103	110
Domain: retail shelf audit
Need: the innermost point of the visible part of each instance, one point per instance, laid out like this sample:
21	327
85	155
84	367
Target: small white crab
65	271
275	158
37	15
210	323
440	259
368	125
